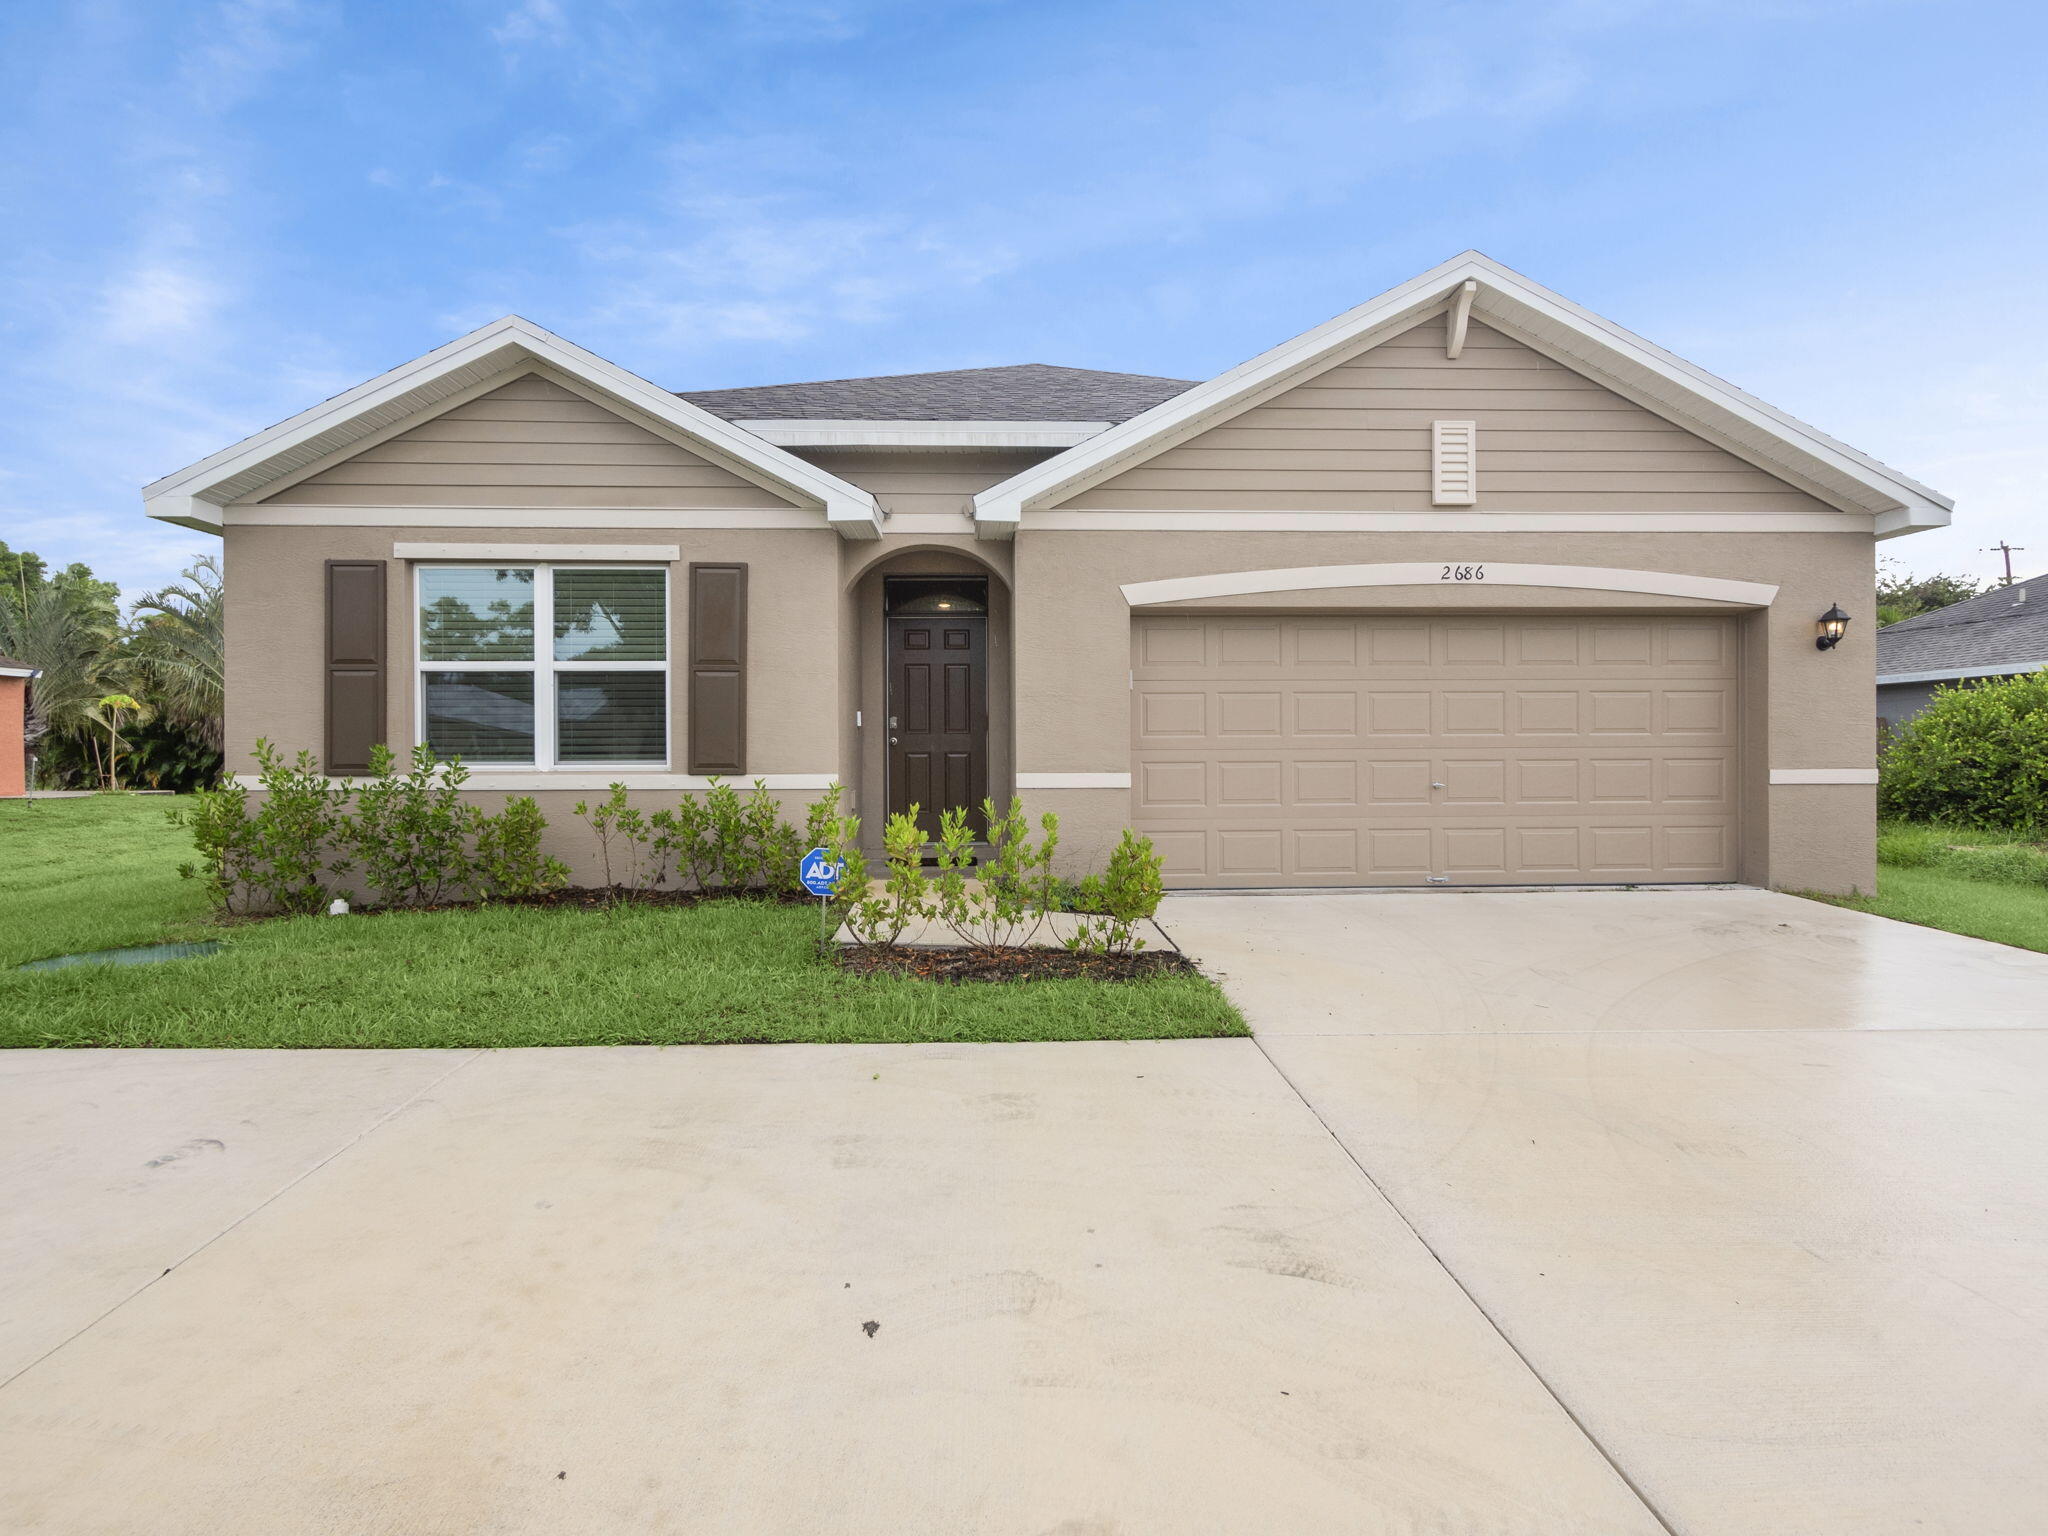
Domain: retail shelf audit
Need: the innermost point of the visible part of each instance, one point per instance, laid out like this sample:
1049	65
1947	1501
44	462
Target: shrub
1006	900
508	859
624	839
293	832
878	921
1124	896
1977	756
225	838
410	832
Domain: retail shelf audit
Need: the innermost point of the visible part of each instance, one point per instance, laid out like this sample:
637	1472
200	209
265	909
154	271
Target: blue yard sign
820	872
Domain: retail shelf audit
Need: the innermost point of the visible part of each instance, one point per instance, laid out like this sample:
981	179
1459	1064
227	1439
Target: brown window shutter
355	663
718	669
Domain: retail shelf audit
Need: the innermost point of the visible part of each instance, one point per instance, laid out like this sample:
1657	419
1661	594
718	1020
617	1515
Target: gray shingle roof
2007	626
1022	392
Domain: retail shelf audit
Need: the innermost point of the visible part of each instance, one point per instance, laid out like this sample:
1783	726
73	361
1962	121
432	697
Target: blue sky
218	213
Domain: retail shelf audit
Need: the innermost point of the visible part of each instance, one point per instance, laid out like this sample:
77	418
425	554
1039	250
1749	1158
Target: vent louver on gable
1453	463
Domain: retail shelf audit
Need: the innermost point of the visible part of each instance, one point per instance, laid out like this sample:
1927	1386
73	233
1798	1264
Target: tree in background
1903	596
165	658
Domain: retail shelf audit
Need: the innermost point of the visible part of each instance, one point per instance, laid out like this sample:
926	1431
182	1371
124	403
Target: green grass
1988	885
91	874
94	874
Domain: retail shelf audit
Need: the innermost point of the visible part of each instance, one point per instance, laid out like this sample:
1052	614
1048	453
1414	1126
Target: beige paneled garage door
1405	750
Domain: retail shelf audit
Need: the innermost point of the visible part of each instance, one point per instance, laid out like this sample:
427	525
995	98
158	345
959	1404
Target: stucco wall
275	681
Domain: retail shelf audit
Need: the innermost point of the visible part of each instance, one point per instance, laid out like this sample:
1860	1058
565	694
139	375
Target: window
593	693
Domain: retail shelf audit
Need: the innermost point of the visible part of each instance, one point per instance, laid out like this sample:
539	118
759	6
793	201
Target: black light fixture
1831	627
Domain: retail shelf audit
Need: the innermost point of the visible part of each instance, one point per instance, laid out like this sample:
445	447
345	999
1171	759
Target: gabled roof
1625	363
1020	392
194	495
2003	630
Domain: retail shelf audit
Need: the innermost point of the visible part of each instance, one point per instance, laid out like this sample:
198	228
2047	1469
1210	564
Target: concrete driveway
1497	1228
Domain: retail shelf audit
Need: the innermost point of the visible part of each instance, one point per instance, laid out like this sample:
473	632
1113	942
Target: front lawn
100	873
1984	884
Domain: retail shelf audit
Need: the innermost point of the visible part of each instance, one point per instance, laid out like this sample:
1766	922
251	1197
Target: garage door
1431	750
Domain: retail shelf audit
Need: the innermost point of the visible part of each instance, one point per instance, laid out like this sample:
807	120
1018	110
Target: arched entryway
932	643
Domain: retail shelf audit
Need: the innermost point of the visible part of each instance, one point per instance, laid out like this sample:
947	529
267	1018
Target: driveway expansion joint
1492	1322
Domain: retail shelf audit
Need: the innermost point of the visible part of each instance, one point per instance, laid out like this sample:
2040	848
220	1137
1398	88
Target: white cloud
237	45
532	21
156	300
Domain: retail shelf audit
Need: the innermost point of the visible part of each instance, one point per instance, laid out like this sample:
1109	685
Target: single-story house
15	677
1466	586
1999	633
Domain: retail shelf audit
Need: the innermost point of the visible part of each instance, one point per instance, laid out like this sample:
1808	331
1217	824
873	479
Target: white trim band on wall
1455	572
661	552
554	519
534	778
1823	775
1073	781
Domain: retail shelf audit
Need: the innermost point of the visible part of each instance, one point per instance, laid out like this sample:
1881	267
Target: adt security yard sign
820	872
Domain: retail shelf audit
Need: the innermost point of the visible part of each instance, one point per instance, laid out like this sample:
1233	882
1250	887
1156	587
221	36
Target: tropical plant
180	649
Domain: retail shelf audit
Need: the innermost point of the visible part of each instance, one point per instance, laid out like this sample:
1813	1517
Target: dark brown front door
938	716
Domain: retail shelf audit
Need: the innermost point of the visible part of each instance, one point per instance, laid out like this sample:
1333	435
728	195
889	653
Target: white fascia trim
1119	521
239	470
580	519
664	553
1446	573
534	778
1823	775
793	432
1947	674
21	671
1073	781
1505	296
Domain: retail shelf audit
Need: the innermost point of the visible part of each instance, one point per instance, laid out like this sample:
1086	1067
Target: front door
938	716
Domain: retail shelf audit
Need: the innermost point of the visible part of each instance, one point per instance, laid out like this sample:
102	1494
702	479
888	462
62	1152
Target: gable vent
1453	466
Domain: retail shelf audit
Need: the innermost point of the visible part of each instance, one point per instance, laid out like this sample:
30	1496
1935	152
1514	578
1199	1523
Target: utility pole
2007	550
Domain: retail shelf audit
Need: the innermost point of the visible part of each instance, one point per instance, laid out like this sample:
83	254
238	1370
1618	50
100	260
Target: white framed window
543	665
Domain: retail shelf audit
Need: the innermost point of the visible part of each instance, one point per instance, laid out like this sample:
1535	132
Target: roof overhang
1959	674
793	432
21	671
195	495
1637	369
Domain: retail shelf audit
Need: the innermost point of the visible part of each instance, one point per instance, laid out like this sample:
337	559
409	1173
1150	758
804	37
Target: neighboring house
1998	634
1467	585
15	677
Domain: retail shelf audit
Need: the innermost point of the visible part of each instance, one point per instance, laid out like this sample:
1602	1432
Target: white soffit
194	496
1634	368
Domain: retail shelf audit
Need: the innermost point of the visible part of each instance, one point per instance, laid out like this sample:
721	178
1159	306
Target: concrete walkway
1498	1228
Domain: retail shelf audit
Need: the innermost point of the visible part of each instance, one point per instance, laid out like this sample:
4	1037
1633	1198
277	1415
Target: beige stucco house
1466	586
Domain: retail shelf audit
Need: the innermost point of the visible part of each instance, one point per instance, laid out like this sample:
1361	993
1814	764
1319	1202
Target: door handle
1436	783
892	741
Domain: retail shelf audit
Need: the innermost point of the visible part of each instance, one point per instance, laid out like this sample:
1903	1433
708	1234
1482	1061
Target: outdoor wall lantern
1831	627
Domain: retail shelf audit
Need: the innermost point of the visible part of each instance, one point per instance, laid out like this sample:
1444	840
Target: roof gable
1476	286
1356	437
493	354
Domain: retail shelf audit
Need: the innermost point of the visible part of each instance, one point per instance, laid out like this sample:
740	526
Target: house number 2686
1463	573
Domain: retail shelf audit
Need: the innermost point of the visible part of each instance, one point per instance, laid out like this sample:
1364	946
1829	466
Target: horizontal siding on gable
529	443
1356	438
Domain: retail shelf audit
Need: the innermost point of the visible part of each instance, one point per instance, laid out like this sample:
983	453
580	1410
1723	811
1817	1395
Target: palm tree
180	645
109	709
74	644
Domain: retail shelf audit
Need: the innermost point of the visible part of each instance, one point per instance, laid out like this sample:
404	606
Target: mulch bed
1010	964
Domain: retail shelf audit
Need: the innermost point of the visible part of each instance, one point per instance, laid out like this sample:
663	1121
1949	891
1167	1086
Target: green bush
418	844
1977	756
